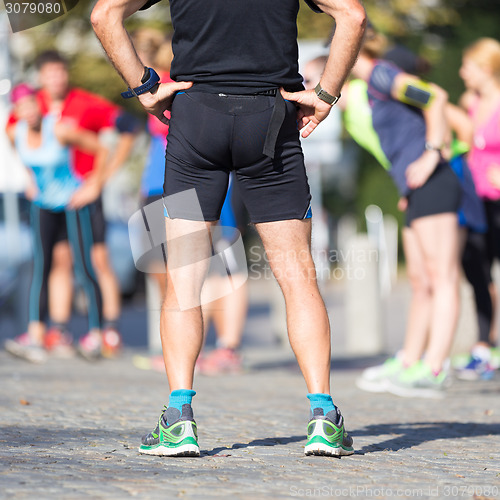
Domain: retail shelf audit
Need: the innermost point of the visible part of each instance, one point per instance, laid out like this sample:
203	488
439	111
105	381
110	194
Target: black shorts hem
193	218
278	218
423	215
254	220
442	193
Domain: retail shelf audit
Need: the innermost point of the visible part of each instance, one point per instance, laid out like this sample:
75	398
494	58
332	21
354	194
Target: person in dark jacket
237	104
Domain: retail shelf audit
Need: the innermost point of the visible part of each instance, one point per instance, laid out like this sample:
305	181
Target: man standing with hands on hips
236	101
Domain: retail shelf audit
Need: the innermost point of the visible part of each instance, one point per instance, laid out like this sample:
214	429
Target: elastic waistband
259	89
265	93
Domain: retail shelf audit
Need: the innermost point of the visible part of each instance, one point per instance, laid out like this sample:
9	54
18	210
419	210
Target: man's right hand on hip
161	100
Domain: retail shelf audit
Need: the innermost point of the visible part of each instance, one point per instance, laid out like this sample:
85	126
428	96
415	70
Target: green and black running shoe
177	439
327	436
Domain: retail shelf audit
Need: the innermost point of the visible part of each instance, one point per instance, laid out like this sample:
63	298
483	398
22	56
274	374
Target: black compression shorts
212	134
442	193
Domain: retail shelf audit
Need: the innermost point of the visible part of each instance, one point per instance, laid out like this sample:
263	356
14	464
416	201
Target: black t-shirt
236	45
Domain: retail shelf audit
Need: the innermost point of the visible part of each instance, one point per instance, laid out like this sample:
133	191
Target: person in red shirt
80	108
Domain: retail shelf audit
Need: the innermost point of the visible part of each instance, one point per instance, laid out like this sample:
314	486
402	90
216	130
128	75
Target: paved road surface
70	429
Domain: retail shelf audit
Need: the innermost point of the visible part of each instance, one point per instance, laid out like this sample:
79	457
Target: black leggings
49	228
476	265
492	209
489	253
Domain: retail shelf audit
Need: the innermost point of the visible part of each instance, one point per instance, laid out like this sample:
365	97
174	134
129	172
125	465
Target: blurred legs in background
228	314
111	300
432	249
61	292
438	238
417	329
50	230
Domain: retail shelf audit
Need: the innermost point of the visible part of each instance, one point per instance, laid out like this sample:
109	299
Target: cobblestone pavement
69	429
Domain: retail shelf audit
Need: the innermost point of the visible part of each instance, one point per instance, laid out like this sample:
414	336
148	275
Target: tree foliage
399	18
437	29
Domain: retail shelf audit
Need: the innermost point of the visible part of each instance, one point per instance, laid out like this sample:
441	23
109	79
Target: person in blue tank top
59	211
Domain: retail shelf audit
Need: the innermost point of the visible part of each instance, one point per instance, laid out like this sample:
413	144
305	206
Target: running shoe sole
89	355
473	375
185	450
415	392
179	439
326	450
469	375
33	356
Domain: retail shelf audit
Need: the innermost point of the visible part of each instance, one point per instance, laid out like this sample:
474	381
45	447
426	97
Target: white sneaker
376	378
23	347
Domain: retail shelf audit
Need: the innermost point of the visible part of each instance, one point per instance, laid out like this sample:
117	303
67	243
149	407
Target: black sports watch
149	81
325	96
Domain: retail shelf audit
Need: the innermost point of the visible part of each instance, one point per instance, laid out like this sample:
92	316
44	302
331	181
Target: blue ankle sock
180	397
323	401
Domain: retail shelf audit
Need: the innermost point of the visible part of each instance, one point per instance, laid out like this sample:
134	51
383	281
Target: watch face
325	96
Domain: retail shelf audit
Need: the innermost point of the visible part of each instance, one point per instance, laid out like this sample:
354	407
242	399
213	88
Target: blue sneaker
479	365
177	439
476	369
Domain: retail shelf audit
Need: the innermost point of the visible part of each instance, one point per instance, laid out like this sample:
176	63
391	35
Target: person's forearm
350	22
100	175
460	123
121	153
435	118
107	20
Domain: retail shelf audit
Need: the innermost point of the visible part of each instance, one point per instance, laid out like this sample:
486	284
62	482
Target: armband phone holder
417	93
